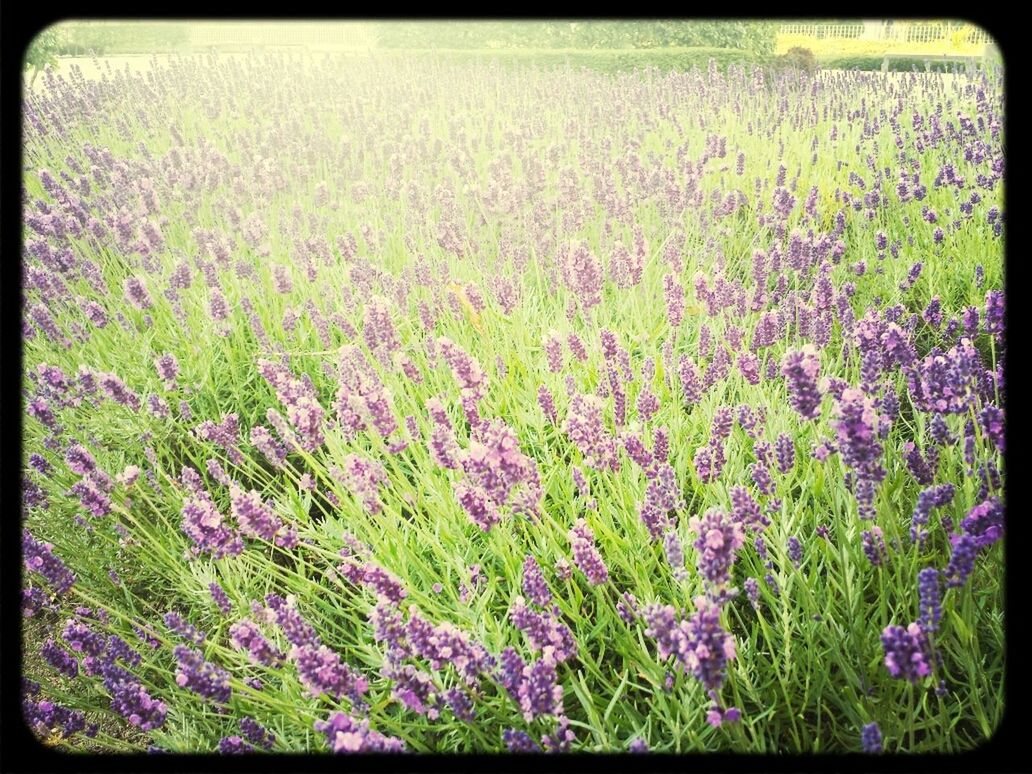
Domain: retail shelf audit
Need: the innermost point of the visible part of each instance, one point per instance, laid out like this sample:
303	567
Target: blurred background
606	45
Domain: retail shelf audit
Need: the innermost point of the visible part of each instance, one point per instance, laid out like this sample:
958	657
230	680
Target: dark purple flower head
534	585
871	738
39	558
246	636
200	676
256	734
906	652
930	599
984	522
800	369
519	741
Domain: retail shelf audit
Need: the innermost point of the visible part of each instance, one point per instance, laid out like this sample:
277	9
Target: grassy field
719	355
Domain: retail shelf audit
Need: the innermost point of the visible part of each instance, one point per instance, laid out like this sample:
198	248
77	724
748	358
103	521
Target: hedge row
896	64
605	60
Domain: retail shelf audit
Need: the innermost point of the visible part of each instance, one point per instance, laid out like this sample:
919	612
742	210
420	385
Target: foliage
798	58
100	38
601	60
757	37
43	49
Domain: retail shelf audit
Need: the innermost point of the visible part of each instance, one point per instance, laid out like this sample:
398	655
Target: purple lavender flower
585	428
184	629
256	734
346	734
256	518
932	497
857	424
984	522
539	692
322	671
39	558
906	652
800	370
234	745
517	741
553	346
547	403
245	635
930	599
585	555
202	523
785	451
363	478
871	739
991	418
962	560
534	585
794	550
136	294
60	659
582	272
200	676
873	543
701	646
691	381
719	537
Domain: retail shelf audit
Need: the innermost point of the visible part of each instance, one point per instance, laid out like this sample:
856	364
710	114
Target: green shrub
798	58
896	64
602	60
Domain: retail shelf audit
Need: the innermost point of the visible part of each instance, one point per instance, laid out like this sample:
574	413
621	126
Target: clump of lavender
719	537
168	369
946	383
585	555
245	635
184	629
662	495
346	734
362	399
586	430
691	380
40	558
785	453
256	518
200	676
582	273
202	523
800	369
984	522
547	403
363	477
700	645
220	598
519	741
906	652
534	585
857	425
467	372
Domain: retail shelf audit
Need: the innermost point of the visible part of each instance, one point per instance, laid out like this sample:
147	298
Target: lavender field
399	405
